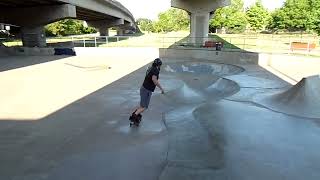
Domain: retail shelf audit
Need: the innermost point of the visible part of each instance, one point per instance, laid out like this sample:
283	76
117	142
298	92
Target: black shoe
139	117
134	117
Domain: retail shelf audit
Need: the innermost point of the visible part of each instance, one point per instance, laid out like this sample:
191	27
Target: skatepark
66	117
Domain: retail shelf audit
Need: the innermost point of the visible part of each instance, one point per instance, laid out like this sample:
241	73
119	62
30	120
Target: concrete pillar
103	30
199	28
120	32
33	36
200	12
104	25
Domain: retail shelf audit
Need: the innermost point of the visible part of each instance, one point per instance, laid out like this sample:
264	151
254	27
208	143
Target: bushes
171	20
68	27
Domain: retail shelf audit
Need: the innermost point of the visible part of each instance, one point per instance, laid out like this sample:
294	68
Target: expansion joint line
244	87
264	107
163	117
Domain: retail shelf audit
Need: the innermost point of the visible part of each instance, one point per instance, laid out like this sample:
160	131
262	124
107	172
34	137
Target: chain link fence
307	45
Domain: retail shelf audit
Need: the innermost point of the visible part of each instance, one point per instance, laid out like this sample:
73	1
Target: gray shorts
145	96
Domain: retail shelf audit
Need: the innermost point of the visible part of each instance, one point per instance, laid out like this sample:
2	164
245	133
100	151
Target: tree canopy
297	15
68	27
233	17
257	16
145	24
172	20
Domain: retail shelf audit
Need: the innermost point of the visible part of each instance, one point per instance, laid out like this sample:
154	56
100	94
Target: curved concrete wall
288	67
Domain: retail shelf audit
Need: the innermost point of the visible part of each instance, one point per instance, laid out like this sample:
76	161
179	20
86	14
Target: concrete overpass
33	15
200	12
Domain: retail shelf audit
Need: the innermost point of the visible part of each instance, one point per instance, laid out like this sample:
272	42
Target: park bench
212	44
302	46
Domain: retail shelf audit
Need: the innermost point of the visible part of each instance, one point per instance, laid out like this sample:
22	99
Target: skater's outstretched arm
157	83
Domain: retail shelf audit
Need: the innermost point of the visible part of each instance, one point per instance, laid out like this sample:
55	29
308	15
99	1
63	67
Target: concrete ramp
302	100
222	88
199	82
185	92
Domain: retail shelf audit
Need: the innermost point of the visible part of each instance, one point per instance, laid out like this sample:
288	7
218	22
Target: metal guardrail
275	44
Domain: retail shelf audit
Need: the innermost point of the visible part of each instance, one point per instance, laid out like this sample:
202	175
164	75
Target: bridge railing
267	44
252	44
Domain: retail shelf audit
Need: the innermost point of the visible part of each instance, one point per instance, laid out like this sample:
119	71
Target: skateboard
135	121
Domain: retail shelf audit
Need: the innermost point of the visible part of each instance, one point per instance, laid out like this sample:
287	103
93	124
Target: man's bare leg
140	110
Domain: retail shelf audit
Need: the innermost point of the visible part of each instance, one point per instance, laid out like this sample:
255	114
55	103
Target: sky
151	8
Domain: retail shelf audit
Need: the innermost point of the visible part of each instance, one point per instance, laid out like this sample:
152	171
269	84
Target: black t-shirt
148	83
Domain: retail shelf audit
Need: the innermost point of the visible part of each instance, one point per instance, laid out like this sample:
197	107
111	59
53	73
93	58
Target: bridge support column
120	32
199	28
200	12
104	25
33	19
33	36
103	30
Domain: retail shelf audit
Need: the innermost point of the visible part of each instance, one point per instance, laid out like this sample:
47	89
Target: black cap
157	62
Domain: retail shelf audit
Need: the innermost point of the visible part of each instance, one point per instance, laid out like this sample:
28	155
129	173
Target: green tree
145	24
315	15
233	17
296	15
172	20
67	27
257	16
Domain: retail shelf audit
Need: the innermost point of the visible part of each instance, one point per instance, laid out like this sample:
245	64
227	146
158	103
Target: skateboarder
149	84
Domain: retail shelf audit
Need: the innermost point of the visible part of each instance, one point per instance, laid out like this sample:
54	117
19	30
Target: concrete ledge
293	67
30	51
67	44
228	57
35	51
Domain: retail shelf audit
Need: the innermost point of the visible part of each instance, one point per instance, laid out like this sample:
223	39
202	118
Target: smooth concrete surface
70	78
303	99
206	126
294	67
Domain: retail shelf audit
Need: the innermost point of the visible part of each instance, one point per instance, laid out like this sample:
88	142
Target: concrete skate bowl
217	69
303	99
198	82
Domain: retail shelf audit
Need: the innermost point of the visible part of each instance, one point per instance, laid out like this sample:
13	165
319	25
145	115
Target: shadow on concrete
31	148
10	62
91	139
94	132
